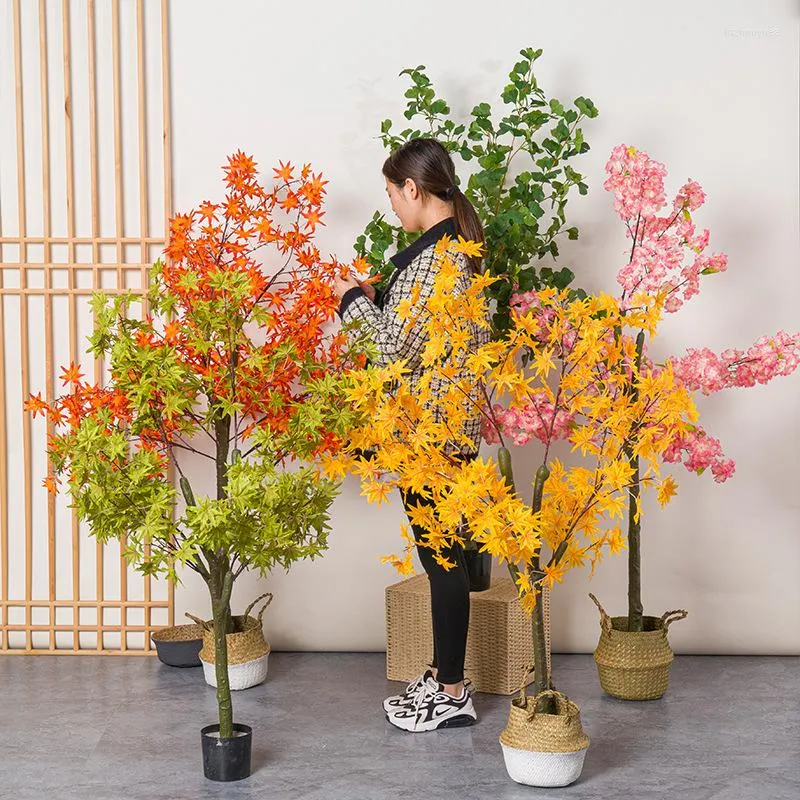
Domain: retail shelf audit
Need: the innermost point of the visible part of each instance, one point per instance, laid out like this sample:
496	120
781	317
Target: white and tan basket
248	650
240	676
541	749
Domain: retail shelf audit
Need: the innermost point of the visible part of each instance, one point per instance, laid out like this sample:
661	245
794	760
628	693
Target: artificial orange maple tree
230	362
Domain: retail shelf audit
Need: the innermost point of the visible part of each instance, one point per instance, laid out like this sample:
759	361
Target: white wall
711	89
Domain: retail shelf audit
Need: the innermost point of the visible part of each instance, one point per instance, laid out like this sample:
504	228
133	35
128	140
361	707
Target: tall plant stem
542	679
220	586
541	672
635	609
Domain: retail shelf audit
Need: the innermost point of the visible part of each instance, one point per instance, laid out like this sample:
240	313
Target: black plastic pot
227	759
479	570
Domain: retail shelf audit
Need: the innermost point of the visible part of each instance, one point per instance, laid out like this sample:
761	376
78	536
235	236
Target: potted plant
228	368
571	387
668	257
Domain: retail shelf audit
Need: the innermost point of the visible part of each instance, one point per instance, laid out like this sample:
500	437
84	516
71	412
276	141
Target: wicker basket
240	676
542	749
499	642
634	665
179	645
246	645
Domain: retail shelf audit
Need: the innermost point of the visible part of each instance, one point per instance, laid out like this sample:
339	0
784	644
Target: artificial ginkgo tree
517	156
229	366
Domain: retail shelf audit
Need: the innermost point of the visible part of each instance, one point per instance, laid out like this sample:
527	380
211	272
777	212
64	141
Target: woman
421	184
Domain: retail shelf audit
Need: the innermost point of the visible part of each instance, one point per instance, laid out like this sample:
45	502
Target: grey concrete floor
121	727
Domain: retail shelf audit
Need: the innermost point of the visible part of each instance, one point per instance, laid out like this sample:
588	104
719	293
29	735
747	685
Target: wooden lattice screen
85	193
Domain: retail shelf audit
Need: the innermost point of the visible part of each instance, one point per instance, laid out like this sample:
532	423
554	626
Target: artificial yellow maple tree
566	370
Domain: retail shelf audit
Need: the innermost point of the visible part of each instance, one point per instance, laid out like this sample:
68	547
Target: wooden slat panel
12	609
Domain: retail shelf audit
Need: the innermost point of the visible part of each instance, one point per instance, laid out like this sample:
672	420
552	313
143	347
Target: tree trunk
222	432
635	609
541	673
220	587
542	678
506	470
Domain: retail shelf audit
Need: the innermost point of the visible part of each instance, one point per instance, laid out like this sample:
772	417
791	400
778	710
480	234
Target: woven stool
499	643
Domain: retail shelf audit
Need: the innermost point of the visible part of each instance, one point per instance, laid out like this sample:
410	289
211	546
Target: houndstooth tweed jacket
416	264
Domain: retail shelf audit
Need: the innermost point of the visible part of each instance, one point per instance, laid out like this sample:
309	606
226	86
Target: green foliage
520	180
269	515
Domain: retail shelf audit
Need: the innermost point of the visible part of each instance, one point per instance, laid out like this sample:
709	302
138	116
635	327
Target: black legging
449	598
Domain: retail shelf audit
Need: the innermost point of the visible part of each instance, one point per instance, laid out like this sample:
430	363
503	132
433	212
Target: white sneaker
398	701
434	708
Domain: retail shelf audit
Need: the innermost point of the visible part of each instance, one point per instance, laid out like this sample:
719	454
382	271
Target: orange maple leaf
313	218
207	210
144	339
171	331
35	405
242	162
316	186
286	171
71	375
290	201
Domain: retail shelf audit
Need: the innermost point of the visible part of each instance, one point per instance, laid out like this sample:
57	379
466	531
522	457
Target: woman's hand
368	289
342	284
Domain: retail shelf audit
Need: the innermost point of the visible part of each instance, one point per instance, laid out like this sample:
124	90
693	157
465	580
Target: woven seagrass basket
634	665
543	749
246	646
179	645
499	642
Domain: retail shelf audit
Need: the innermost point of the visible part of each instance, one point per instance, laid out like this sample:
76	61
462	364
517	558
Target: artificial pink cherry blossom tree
668	257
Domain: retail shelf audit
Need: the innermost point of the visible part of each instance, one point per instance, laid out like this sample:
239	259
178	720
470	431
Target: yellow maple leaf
615	540
553	574
404	309
469	248
335	467
376	491
405	565
443	244
667	490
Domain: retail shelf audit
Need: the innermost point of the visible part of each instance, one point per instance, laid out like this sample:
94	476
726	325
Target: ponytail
468	225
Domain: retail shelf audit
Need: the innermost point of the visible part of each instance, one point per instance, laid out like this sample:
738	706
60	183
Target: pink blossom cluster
637	182
536	420
698	451
771	356
668	254
525	303
658	258
690	195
